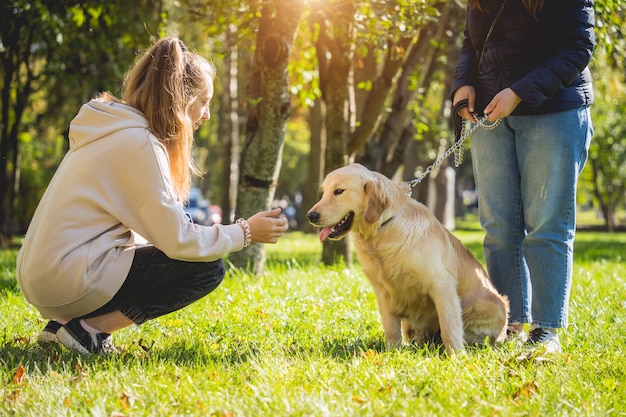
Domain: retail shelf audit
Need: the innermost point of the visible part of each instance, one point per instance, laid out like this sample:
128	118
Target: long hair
531	6
162	83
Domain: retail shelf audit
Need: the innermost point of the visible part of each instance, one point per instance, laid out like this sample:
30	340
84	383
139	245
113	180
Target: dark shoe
433	337
516	335
49	333
74	337
547	338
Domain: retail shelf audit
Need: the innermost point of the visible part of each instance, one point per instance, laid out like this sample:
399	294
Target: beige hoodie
112	190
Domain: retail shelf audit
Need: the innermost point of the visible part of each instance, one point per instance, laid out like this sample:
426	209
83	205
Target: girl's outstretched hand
267	226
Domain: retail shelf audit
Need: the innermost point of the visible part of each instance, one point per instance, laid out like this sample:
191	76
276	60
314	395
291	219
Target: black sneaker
49	333
74	337
548	338
516	335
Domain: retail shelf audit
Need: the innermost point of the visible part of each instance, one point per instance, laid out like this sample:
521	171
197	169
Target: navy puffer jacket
543	60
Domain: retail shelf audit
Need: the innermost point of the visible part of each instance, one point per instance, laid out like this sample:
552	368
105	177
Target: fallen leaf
18	375
127	400
80	374
359	399
527	390
370	353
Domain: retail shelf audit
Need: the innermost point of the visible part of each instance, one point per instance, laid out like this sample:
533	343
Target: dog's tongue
324	233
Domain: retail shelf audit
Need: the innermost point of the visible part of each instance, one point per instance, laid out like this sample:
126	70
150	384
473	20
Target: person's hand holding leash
468	93
502	105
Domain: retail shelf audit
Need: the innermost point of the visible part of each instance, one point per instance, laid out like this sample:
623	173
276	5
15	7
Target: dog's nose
313	216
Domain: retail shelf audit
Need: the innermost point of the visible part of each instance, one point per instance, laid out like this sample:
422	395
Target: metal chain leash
465	133
457	148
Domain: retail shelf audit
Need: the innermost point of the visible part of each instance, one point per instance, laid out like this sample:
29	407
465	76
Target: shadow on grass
593	246
590	246
52	357
8	284
45	359
584	250
345	350
233	353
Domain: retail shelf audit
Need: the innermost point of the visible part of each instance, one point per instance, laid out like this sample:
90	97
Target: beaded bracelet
247	237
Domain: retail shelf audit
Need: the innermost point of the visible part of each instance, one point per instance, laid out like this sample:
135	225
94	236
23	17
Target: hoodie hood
106	198
99	118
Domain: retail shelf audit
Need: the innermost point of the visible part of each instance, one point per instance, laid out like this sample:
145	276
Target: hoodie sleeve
576	40
149	206
165	225
465	73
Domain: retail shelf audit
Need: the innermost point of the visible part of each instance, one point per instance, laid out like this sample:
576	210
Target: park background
304	86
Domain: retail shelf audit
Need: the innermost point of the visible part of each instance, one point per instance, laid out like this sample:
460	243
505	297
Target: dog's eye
338	191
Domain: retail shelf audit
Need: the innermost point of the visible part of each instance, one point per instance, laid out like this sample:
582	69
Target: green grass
306	340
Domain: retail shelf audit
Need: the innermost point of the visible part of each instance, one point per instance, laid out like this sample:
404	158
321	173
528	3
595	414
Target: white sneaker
74	337
49	333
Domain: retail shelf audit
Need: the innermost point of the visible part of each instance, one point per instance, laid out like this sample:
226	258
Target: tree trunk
9	137
441	194
4	157
229	131
605	206
373	108
265	131
421	58
388	149
6	146
335	51
315	173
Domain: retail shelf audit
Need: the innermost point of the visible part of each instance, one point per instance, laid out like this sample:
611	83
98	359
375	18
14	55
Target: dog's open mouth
337	231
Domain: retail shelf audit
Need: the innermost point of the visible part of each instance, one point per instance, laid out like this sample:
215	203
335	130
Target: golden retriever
425	281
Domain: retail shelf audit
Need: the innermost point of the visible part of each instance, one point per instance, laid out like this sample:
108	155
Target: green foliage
79	48
603	179
305	339
382	23
54	56
610	27
605	175
294	159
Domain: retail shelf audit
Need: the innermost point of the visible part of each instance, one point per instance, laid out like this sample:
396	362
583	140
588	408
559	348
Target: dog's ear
375	201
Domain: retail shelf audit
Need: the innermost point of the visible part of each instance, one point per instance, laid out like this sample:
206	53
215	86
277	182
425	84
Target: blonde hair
163	83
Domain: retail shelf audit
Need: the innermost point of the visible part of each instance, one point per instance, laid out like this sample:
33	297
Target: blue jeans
157	285
526	172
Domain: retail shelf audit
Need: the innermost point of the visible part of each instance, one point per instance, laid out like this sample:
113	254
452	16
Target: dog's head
354	199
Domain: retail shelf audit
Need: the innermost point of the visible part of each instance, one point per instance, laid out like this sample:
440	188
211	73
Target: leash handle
457	120
459	129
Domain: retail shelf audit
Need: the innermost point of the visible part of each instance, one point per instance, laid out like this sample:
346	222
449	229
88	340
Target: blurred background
304	86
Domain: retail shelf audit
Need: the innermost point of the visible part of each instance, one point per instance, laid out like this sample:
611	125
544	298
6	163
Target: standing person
525	62
109	244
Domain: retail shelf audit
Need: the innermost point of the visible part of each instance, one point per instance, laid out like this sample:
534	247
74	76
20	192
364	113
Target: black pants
157	285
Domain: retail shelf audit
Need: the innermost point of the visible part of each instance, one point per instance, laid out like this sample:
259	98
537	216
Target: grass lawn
306	340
